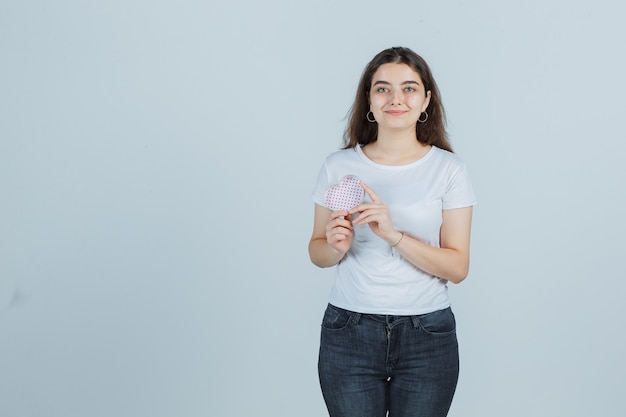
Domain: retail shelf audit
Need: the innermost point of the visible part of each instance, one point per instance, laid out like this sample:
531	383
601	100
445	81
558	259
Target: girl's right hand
339	230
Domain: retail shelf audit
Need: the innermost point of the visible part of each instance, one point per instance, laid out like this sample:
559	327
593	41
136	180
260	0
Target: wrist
398	239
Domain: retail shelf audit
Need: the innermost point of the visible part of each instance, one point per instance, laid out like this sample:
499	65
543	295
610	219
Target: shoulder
444	158
447	156
341	156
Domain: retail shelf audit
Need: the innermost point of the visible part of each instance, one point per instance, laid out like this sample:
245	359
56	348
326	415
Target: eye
382	89
410	89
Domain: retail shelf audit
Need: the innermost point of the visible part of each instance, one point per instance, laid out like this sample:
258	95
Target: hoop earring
420	118
367	116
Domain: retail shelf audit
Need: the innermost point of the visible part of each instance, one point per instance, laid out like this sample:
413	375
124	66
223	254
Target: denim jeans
372	364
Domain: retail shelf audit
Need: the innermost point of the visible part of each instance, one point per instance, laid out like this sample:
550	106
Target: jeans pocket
439	322
336	318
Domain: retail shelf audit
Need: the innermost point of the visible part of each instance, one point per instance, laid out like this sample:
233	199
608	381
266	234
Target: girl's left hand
376	215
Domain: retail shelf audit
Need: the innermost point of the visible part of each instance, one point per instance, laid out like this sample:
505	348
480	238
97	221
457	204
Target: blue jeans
370	364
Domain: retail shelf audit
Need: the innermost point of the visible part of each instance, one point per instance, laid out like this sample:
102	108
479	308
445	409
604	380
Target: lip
395	112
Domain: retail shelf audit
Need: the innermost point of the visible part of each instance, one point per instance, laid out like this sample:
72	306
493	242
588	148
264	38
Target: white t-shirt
373	277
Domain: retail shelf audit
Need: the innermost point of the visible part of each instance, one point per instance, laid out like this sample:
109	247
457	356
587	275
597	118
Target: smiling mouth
396	112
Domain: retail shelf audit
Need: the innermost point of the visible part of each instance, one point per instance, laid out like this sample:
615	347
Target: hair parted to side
361	132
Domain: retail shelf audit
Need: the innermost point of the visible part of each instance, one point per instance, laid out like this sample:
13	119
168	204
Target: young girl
388	339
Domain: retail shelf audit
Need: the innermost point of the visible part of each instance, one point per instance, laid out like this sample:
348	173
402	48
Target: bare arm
331	238
450	261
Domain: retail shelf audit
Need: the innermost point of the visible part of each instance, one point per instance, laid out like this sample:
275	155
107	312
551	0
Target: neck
398	142
396	148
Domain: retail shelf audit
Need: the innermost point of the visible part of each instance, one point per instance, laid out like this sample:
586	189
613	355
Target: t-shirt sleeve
320	186
459	192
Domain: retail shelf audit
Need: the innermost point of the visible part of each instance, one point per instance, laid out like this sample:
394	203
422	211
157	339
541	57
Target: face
397	97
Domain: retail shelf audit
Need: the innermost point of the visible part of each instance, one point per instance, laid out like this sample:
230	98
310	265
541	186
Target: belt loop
355	317
416	321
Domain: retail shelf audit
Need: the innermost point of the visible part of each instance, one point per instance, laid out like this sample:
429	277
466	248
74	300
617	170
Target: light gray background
156	164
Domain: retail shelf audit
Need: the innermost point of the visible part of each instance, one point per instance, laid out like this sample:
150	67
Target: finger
338	214
344	221
371	193
339	236
339	229
366	206
340	218
370	216
366	217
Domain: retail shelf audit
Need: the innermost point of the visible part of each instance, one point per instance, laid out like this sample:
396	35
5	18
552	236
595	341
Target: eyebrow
404	83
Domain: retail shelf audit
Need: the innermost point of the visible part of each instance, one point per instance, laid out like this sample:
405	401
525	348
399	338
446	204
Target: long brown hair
361	132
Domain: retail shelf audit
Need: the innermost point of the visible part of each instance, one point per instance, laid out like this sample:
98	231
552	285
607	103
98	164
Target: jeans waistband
383	318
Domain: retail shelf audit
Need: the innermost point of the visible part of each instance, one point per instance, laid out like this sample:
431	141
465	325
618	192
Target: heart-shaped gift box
345	195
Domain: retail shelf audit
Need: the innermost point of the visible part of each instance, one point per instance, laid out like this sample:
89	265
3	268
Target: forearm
324	255
449	264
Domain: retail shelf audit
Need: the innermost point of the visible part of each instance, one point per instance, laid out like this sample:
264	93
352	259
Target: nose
396	97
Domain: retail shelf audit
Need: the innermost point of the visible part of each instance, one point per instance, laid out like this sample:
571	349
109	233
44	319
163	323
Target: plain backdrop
156	165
